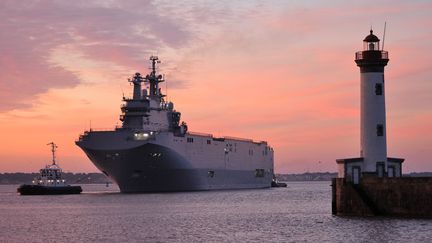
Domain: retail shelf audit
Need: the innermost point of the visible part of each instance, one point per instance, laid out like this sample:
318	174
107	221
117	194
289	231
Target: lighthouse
371	62
372	184
373	160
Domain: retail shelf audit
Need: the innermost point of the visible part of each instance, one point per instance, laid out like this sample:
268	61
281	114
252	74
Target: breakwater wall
375	196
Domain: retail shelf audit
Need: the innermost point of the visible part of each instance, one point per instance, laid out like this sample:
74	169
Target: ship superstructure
153	151
51	175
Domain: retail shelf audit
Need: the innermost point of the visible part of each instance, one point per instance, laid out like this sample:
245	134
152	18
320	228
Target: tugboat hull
48	190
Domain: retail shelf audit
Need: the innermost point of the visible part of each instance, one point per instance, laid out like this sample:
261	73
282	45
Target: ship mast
154	79
154	60
53	149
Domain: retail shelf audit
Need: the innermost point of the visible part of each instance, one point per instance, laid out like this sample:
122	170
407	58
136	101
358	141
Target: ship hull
156	168
48	190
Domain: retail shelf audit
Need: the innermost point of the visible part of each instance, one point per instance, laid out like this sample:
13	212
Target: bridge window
208	141
190	140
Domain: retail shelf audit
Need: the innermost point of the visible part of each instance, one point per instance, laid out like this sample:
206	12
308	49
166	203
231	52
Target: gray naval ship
153	152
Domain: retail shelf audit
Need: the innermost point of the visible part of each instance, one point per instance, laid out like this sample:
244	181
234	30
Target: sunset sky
280	71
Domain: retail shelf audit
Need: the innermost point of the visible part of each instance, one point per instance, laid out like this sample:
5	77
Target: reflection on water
301	212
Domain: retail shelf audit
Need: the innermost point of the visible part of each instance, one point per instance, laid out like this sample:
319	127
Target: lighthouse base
354	168
375	196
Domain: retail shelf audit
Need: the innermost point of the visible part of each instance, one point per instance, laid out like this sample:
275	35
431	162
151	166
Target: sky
275	70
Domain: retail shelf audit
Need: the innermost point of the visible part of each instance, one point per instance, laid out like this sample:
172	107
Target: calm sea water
299	213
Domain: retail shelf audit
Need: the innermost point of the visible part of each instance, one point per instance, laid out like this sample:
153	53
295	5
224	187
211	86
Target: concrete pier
383	196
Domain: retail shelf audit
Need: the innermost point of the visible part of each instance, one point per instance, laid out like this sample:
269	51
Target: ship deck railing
226	138
112	129
104	129
200	134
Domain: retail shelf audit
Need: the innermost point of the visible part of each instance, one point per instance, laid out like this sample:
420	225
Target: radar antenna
154	79
53	149
154	60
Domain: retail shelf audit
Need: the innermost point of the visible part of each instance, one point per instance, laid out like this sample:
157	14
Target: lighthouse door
356	174
391	171
380	169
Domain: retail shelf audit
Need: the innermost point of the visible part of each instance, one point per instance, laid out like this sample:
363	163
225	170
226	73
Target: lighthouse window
380	130
378	89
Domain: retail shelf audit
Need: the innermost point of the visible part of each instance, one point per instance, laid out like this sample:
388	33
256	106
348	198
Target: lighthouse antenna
53	149
166	87
385	25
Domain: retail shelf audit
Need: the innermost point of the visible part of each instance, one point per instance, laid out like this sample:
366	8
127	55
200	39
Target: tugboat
49	181
276	183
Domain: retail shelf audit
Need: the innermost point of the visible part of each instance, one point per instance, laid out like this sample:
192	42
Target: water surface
299	213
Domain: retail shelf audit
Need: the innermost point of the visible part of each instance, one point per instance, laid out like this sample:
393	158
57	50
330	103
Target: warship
152	151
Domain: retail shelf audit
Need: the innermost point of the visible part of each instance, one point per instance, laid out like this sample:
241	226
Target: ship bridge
147	110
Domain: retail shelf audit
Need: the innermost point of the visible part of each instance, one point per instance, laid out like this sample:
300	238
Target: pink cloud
106	33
